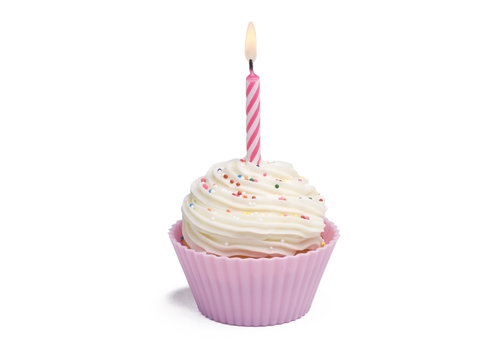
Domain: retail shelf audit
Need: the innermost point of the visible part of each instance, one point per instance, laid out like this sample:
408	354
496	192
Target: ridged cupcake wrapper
254	292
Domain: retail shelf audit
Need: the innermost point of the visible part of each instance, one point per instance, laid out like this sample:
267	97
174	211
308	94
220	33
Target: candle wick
250	64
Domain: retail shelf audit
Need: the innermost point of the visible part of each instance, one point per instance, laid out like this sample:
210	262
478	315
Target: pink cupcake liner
254	292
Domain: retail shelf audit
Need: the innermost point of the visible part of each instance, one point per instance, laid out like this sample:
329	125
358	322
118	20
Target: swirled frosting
241	209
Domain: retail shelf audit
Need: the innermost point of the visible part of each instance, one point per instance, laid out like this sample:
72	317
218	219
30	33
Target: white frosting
276	212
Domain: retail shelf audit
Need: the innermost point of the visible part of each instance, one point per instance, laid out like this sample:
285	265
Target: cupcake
253	242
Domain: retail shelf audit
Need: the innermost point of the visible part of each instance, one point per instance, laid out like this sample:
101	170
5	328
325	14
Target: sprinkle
225	176
208	209
242	160
244	196
300	180
228	210
239	176
219	170
277	186
323	243
295	215
239	193
231	181
234	194
264	174
251	179
253	197
245	177
238	184
211	191
191	204
282	198
204	185
305	217
284	214
321	200
182	238
203	180
310	198
246	212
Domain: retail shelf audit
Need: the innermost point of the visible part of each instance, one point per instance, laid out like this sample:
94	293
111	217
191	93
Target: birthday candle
252	101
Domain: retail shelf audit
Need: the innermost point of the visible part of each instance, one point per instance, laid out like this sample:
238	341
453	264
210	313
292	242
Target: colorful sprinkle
239	193
264	174
305	217
239	176
182	238
208	209
225	176
231	181
277	186
211	191
203	180
191	204
282	198
219	170
321	200
204	185
244	196
242	160
238	184
323	243
251	179
253	197
228	210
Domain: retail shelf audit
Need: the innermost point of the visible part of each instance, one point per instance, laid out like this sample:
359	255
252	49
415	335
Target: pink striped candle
252	101
253	118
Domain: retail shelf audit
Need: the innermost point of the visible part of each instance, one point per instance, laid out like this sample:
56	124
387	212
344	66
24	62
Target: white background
109	109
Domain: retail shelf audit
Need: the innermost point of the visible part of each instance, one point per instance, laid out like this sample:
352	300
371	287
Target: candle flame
251	42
